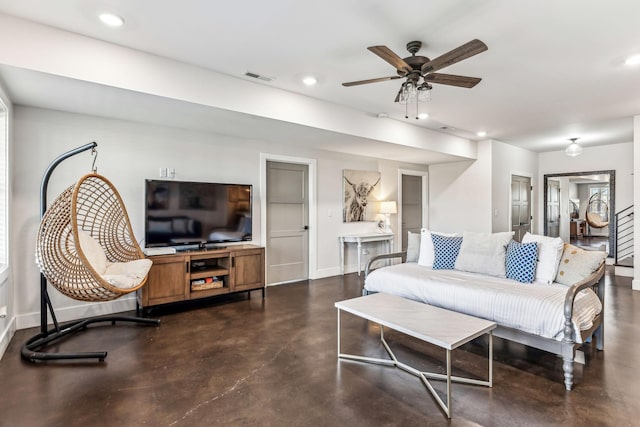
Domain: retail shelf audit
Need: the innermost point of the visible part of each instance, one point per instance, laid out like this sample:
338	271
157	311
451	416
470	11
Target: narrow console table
359	239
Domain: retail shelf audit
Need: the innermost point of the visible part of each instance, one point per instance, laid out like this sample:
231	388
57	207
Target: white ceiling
553	70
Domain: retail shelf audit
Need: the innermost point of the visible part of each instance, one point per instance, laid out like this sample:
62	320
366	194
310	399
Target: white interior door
287	222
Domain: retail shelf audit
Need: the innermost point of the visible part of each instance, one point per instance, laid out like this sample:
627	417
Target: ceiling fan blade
393	59
364	82
465	51
452	80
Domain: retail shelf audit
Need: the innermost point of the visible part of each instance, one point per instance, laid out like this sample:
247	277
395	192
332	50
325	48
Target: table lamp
388	208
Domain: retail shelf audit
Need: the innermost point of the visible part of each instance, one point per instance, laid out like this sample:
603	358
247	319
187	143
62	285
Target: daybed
541	292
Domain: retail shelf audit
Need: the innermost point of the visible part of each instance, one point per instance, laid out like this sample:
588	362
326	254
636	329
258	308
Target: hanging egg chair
85	249
597	215
85	246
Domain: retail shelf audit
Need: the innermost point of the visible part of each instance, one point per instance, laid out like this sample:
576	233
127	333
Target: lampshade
573	149
388	208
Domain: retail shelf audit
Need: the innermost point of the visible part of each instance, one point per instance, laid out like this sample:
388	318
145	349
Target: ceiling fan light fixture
573	149
424	92
481	133
423	116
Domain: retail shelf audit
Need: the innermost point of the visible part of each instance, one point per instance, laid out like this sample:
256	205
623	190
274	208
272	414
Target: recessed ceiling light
633	60
309	80
423	116
111	19
481	133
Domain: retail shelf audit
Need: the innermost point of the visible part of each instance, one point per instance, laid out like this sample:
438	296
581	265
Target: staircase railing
624	236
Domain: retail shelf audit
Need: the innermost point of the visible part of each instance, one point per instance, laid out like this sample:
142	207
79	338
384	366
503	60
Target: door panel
520	206
553	209
287	220
287	217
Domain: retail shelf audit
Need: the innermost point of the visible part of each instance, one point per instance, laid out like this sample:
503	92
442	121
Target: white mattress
534	308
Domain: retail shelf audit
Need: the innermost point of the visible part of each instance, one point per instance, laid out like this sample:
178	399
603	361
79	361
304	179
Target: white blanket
534	308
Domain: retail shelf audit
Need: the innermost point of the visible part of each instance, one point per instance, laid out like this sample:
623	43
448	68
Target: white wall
636	198
130	152
460	194
476	195
618	157
7	324
508	160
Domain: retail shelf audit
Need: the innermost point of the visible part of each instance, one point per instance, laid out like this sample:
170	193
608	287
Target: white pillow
93	252
427	253
484	253
549	254
413	246
126	275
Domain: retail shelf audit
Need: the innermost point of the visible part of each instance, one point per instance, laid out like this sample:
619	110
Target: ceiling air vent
258	76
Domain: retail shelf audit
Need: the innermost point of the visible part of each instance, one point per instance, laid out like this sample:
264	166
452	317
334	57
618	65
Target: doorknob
306	227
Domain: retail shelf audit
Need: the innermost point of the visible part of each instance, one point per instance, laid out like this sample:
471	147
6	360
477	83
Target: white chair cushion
549	254
126	275
93	252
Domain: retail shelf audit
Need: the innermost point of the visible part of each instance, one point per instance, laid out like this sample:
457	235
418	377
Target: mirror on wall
579	207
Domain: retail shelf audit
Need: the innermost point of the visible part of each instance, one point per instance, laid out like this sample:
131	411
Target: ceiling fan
420	71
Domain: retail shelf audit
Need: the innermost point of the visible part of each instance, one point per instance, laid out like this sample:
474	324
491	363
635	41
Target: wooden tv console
192	275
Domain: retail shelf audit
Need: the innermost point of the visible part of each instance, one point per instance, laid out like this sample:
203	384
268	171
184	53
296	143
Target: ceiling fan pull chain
406	110
416	107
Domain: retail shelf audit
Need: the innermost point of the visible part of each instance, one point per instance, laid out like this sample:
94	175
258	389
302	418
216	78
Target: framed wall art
360	191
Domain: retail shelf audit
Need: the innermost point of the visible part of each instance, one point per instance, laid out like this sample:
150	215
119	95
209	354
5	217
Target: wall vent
258	76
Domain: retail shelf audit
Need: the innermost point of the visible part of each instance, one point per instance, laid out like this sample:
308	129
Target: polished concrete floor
273	362
593	243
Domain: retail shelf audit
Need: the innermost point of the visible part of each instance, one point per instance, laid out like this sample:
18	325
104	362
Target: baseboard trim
80	311
7	335
327	272
624	271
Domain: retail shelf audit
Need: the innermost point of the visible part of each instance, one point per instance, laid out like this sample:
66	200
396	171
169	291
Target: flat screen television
181	213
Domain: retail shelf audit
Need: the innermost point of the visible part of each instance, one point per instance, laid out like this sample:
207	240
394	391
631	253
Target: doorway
413	206
553	215
586	208
520	206
287	222
287	209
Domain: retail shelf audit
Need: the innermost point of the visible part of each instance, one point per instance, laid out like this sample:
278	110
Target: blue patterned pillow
521	261
446	251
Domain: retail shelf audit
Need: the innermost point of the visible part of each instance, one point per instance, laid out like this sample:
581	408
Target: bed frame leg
599	334
567	367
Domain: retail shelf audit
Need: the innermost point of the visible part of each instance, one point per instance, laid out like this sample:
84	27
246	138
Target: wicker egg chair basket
94	206
595	220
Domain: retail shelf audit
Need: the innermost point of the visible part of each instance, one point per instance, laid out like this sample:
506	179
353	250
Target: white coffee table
437	326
